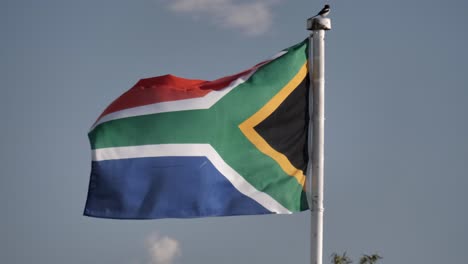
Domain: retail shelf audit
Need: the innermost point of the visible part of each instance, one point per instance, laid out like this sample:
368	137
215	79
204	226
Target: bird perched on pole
320	21
324	12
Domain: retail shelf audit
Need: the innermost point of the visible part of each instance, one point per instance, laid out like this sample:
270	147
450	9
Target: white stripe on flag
191	150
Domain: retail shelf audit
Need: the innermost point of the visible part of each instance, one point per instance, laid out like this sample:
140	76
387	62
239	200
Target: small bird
324	12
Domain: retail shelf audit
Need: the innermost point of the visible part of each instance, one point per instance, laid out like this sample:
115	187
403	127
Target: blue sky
396	129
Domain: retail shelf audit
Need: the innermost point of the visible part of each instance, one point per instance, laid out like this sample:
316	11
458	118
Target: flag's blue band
164	187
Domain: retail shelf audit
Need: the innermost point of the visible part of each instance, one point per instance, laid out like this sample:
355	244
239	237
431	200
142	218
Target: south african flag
177	148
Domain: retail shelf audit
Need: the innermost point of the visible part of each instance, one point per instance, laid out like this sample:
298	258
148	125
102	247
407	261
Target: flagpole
318	25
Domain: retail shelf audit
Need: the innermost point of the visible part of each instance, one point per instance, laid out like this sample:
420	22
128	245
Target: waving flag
177	148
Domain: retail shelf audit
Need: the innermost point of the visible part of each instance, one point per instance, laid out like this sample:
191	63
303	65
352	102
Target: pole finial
320	21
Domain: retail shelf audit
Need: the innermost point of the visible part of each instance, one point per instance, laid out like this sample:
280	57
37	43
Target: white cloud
162	250
252	18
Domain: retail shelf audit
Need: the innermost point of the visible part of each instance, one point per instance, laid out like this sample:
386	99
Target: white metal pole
318	25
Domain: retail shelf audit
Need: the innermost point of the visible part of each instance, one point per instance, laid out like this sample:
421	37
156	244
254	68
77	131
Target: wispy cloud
252	18
162	249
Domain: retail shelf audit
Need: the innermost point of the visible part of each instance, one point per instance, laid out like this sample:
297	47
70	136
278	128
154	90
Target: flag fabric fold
177	148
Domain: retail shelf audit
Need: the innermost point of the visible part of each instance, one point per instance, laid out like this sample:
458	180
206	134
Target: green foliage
372	259
365	259
340	259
